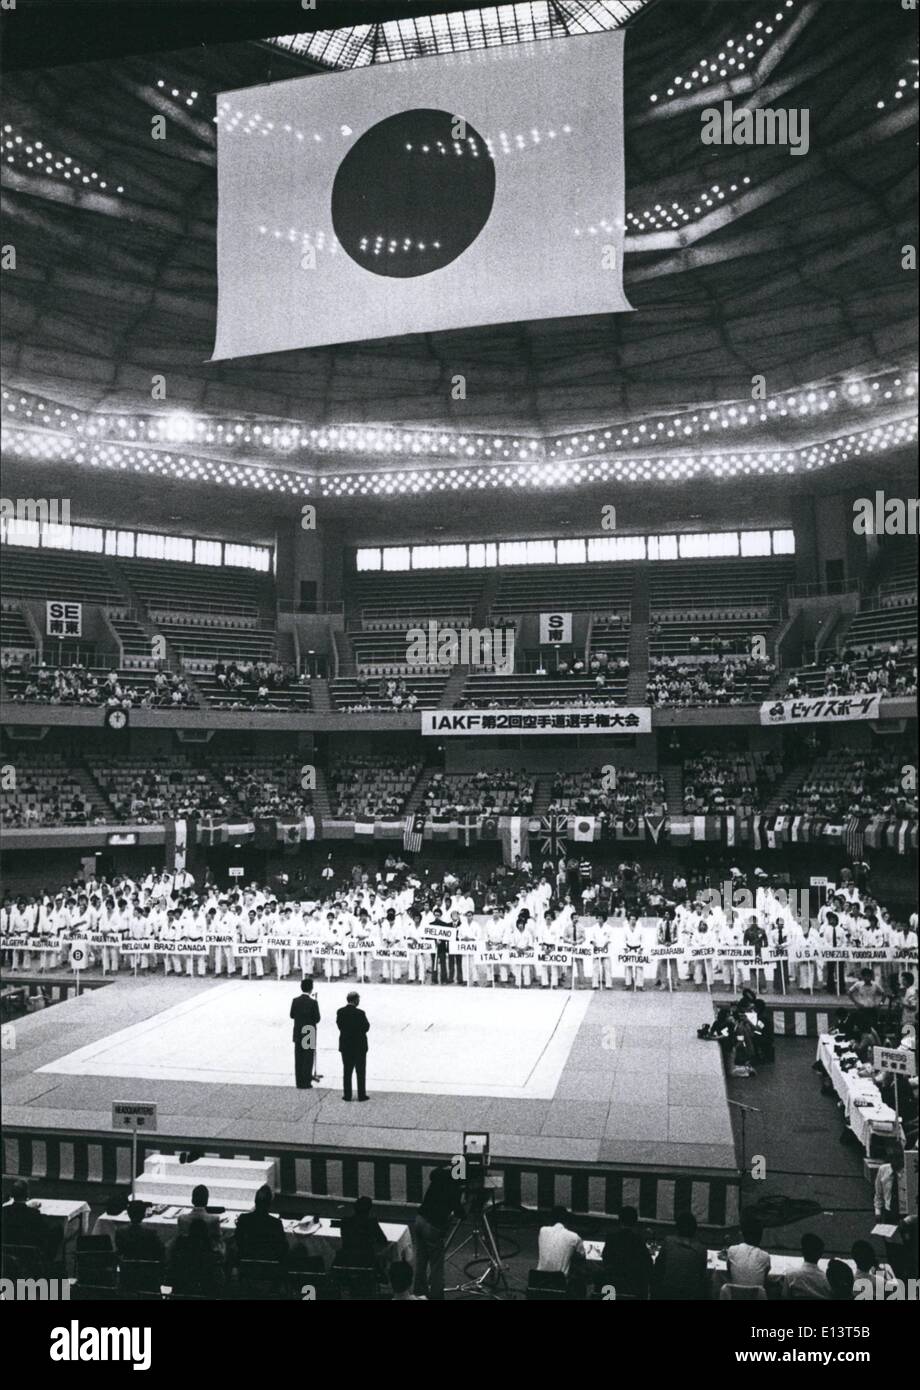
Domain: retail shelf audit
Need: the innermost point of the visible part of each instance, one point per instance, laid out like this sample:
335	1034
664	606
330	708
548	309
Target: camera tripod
484	1246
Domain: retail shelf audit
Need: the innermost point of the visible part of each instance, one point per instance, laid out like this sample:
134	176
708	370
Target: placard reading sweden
598	719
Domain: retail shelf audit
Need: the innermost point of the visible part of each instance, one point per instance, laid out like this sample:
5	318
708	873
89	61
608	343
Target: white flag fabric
429	194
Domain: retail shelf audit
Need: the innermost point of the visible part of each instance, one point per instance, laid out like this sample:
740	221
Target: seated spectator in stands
193	1266
400	1276
22	1224
259	1235
134	1242
561	1251
808	1283
681	1271
199	1212
363	1242
841	1279
626	1260
748	1264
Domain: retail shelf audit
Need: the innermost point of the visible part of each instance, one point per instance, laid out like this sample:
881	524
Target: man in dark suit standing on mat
305	1013
353	1028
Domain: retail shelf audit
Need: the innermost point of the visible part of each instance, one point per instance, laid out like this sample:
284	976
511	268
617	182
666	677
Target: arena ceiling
740	261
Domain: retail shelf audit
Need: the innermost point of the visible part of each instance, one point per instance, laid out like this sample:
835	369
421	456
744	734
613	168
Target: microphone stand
745	1110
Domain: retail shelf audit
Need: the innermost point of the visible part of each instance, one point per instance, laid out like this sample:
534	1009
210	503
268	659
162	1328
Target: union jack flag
554	840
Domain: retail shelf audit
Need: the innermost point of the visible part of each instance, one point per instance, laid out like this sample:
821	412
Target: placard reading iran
598	719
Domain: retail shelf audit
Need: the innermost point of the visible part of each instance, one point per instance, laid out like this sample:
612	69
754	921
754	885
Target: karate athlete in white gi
599	937
250	933
549	937
520	938
634	945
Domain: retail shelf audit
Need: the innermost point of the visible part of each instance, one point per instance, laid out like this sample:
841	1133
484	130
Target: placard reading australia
599	719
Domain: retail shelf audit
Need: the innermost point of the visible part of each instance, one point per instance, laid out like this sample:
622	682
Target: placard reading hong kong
596	719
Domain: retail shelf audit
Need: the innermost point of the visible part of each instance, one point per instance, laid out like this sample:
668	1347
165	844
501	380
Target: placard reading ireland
827	709
598	719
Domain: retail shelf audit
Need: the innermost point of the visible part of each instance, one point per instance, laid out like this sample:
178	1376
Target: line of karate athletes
166	908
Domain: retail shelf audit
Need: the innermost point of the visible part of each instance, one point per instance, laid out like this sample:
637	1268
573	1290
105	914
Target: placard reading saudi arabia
582	719
436	193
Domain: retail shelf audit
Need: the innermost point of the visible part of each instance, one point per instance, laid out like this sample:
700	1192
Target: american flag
413	833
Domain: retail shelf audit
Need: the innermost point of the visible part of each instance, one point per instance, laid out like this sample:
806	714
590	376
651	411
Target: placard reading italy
598	719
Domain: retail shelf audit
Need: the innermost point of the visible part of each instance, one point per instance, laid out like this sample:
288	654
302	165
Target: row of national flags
557	835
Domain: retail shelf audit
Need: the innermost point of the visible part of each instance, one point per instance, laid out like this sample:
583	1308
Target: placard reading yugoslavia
598	719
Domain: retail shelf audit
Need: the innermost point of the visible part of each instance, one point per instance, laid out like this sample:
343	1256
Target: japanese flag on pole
433	193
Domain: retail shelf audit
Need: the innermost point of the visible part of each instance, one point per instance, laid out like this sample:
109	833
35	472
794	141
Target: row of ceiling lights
46	447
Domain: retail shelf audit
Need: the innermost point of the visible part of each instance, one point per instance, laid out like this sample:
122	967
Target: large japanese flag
433	193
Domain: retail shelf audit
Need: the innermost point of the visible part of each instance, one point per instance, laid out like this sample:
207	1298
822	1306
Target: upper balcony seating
200	644
15	633
387	693
260	685
723	583
136	643
171	586
526	691
403	600
872	626
893	672
47	684
56	574
603	588
610	635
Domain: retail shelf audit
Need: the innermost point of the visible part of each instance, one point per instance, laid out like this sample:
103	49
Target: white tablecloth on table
320	1239
862	1101
72	1216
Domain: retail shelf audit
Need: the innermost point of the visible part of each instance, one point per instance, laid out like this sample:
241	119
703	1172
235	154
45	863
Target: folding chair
743	1293
262	1278
543	1287
141	1277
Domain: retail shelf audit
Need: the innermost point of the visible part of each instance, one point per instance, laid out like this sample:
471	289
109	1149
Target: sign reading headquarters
412	197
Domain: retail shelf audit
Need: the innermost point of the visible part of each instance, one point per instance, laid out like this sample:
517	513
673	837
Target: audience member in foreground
808	1282
681	1271
841	1280
401	1283
440	1204
626	1259
259	1235
133	1242
193	1265
748	1264
199	1212
562	1251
